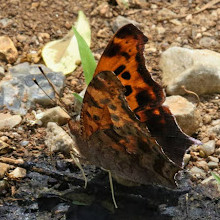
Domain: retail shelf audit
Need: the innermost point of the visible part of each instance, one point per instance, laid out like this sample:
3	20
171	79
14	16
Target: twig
206	6
45	171
193	93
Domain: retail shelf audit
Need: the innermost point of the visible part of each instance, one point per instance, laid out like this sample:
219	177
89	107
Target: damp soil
41	196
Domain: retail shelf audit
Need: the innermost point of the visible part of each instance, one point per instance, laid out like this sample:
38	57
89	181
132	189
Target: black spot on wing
143	98
126	75
126	55
128	90
96	117
112	50
104	101
87	113
119	70
92	102
113	107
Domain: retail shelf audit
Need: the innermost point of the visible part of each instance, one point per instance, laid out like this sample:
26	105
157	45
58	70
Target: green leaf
87	58
217	177
78	97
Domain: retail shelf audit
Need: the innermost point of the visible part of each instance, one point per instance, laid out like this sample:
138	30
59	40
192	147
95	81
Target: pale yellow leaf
63	55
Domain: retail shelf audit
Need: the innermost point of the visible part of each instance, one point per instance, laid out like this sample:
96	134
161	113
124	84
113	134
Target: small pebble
212	165
208	148
195	171
17	173
186	159
24	143
214	159
202	164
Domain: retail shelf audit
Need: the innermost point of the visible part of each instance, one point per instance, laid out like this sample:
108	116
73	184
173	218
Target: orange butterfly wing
121	105
116	140
124	56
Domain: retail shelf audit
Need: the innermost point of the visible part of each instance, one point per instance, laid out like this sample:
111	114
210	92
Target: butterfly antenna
64	106
51	84
35	81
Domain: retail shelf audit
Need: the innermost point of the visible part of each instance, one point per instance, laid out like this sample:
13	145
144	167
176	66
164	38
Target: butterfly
124	126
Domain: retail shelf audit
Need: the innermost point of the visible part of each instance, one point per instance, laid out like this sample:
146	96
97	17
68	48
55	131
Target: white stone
197	70
208	148
57	140
17	173
186	113
186	159
8	121
56	114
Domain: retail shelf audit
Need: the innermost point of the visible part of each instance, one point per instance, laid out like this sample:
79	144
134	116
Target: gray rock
215	129
186	113
121	21
20	93
213	187
208	42
197	70
208	148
